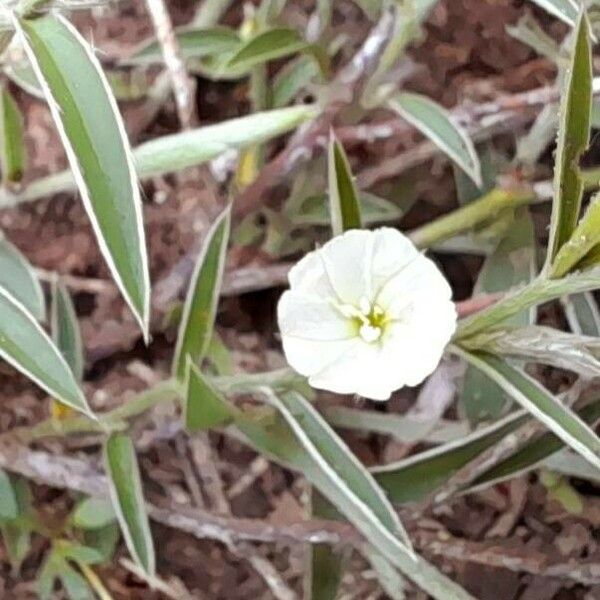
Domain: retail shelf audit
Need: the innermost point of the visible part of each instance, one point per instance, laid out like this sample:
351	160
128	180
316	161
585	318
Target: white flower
366	314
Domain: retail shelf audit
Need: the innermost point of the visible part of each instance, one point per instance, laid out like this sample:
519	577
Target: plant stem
473	214
165	391
540	290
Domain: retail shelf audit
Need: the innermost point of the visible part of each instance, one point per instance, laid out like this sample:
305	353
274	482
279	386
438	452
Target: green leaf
435	123
313	448
93	513
104	540
193	43
331	454
18	277
12	144
267	45
325	572
65	329
27	347
274	438
528	31
16	533
565	10
582	314
78	552
186	149
573	139
344	204
538	292
512	263
466	190
75	585
92	131
291	79
128	500
531	454
373	210
9	509
48	574
219	356
540	403
205	407
414	478
200	309
181	150
393	584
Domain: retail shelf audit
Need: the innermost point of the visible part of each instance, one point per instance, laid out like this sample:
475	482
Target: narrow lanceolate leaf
330	452
344	203
27	347
565	10
181	150
291	79
65	329
414	478
205	407
19	279
435	123
313	448
532	454
540	403
186	149
12	144
268	45
93	134
193	43
128	500
200	309
573	139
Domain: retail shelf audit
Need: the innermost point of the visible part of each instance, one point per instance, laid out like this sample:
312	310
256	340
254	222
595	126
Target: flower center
368	319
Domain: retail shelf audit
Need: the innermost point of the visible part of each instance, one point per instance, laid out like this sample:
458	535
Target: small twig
183	85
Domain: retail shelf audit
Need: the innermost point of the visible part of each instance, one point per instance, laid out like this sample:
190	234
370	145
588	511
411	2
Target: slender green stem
537	292
469	216
165	391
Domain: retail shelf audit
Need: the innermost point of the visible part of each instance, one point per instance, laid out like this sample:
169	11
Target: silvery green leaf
128	499
344	204
200	309
27	347
573	140
545	407
18	277
435	123
65	329
77	93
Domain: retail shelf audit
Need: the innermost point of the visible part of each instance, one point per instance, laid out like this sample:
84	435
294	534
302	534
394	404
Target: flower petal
347	260
392	252
309	317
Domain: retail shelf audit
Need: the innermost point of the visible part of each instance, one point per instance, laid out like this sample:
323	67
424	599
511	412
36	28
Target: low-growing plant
367	312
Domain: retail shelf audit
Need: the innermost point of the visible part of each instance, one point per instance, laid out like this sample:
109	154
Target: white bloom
366	314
